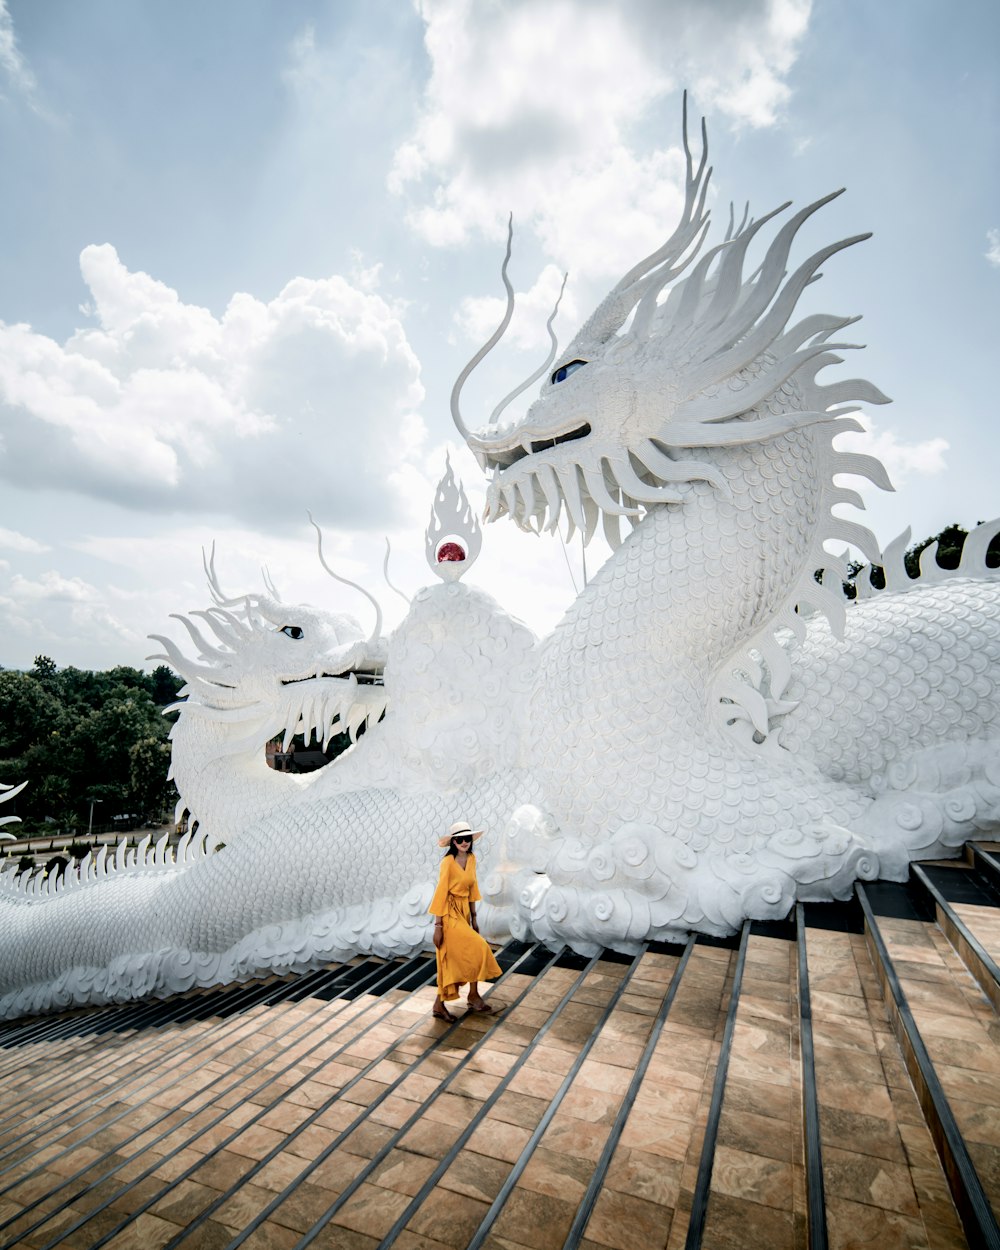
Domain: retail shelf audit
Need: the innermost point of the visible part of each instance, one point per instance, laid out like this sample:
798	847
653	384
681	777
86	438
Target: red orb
450	551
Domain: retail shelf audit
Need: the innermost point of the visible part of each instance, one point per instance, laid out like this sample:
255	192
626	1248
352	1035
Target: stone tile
623	1222
394	1111
608	1078
492	1138
773	1101
496	1062
453	1109
540	1221
557	1174
847	1066
865	1134
759	1135
668	1138
854	1226
448	1217
334	1174
477	1085
645	1176
409	1240
731	1221
280	1171
181	1203
476	1176
522	1109
934	1197
255	1143
146	1232
172	1167
271	1236
593	1105
302	1207
827	1006
979	1122
874	1181
371	1210
367	1139
754	1177
244	1205
435	1140
872	1100
772	1069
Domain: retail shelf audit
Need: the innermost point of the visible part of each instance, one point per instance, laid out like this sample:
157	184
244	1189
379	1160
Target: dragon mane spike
269	585
543	366
220	599
491	342
226	626
205	648
693	219
376	632
184	666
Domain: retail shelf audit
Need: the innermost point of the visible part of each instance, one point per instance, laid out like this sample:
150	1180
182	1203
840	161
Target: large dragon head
271	668
684	354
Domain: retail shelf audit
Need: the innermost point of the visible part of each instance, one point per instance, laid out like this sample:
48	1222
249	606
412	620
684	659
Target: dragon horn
376	632
488	346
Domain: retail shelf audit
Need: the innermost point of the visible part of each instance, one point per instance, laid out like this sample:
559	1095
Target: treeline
80	738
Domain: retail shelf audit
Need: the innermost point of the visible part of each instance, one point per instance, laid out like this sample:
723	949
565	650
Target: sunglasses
462	837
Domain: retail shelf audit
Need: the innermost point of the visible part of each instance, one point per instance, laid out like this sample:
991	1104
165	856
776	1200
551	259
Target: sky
248	246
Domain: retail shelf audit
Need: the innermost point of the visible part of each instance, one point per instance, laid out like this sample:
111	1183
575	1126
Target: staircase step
949	1035
882	1179
968	914
758	1177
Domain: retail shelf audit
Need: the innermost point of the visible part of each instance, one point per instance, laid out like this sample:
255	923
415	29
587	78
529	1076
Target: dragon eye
563	372
293	631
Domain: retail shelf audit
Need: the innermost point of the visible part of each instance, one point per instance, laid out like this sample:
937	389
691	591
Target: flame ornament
453	538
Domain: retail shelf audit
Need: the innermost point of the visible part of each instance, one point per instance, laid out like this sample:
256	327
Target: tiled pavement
620	1102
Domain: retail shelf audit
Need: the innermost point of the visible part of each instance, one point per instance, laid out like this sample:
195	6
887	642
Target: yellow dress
463	955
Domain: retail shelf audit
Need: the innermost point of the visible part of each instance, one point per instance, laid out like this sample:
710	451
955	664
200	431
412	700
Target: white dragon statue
712	731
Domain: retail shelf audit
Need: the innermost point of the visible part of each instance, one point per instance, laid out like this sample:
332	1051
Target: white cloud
52	585
12	62
531	104
478	316
164	406
902	460
993	251
11	540
67	617
15	72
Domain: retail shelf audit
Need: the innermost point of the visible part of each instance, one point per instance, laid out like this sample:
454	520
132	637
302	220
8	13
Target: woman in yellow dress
462	955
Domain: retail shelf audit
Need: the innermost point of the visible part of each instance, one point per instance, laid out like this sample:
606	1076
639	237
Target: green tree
76	735
149	761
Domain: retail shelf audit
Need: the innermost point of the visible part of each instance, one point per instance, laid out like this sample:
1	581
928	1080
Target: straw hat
457	829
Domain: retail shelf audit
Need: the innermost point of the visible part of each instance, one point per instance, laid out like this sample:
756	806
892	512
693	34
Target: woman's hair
453	849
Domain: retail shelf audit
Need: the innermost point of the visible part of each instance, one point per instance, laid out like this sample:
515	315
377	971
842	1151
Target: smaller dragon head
270	668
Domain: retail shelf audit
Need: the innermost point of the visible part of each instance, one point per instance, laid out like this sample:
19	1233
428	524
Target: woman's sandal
483	1007
443	1014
